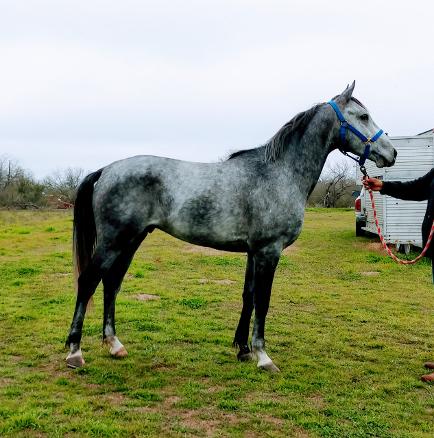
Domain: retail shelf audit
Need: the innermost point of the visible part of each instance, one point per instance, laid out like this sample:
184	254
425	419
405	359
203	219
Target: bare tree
10	171
63	184
334	187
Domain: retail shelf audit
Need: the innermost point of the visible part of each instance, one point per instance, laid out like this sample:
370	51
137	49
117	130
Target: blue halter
343	132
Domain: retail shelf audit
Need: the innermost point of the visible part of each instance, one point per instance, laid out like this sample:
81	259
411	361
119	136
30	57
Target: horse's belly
208	238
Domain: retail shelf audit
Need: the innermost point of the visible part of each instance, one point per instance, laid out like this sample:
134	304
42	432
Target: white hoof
270	367
264	362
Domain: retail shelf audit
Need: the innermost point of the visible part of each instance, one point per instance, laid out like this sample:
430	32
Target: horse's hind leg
265	263
112	281
242	332
87	283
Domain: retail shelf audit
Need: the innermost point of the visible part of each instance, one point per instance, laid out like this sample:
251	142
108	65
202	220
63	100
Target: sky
85	83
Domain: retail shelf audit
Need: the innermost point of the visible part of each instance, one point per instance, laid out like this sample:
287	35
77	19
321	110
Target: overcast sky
84	83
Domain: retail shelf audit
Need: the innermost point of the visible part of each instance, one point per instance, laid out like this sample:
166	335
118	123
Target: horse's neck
307	157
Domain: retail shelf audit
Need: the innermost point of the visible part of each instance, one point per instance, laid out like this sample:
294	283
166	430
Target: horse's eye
364	117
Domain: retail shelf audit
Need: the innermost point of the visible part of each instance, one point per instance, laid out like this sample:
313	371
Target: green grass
348	327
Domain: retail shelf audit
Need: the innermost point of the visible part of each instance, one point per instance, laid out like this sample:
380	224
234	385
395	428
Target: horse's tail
84	234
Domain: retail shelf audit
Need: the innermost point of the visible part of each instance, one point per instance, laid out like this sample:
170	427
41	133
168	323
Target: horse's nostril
395	153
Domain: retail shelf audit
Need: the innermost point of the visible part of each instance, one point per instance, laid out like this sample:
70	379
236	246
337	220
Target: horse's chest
279	225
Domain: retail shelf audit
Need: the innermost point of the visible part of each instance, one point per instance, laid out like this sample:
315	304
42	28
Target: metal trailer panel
415	158
400	220
404	221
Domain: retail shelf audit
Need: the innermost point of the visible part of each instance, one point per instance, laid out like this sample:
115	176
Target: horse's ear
345	96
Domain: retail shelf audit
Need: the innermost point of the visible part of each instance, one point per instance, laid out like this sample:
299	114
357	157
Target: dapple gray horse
253	202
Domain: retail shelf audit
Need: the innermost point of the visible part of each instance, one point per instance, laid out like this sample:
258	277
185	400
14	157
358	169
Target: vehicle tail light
358	204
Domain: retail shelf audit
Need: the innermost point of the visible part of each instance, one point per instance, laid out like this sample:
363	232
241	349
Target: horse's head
358	133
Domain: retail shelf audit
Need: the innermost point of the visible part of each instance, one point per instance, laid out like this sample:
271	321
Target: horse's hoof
270	367
428	378
74	360
429	365
119	354
245	357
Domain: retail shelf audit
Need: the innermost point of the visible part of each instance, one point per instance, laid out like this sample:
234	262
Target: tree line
20	190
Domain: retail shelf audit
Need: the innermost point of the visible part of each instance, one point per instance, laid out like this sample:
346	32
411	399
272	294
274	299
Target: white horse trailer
400	221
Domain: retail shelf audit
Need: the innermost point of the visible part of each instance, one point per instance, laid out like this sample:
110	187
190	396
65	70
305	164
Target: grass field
348	328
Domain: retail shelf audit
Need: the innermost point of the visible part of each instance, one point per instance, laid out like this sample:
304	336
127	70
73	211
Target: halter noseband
342	135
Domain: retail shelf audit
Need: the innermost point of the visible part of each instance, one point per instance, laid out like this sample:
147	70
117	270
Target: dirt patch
291	249
93	386
265	396
317	401
171	400
191	420
35	434
370	273
224	282
375	246
115	398
146	297
301	433
371	246
206	422
6	381
145	410
213	389
272	420
251	434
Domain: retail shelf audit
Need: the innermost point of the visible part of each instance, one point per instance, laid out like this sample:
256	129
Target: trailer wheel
404	248
360	232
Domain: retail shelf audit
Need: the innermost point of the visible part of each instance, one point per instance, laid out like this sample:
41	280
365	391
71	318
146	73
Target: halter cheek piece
342	135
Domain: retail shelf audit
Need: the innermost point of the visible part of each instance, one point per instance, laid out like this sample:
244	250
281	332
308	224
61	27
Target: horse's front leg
265	263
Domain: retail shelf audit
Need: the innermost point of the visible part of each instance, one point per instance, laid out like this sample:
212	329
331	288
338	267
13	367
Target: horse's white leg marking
263	358
258	350
116	347
264	361
75	357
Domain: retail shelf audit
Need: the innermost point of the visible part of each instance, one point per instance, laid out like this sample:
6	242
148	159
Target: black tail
84	235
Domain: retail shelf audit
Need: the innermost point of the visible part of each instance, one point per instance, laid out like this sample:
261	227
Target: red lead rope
402	262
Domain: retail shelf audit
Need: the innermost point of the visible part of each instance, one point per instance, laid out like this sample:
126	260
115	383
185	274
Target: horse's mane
274	148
